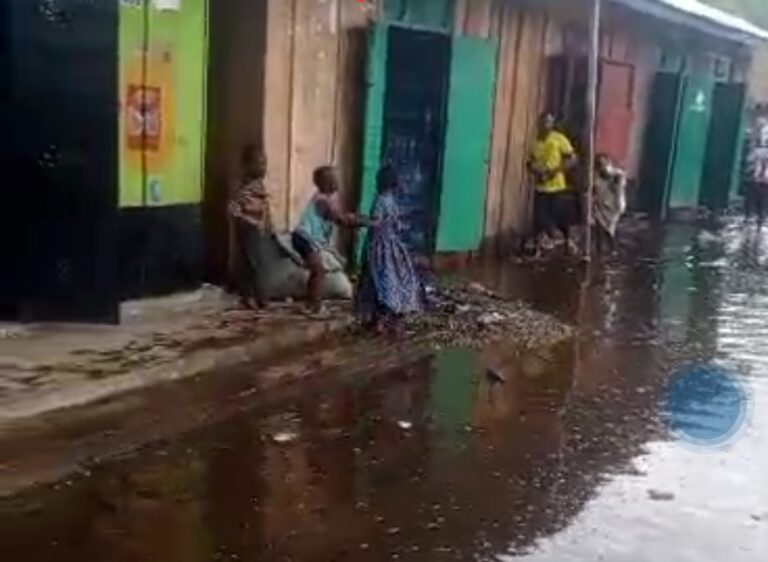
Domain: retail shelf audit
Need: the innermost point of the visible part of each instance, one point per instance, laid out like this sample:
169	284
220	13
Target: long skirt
390	286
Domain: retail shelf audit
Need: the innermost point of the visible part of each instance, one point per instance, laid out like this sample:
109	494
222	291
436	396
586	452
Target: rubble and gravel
470	315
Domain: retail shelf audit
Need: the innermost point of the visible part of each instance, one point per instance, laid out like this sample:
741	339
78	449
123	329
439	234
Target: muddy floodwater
566	453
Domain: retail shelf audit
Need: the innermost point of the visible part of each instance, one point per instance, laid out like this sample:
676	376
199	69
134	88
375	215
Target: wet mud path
561	453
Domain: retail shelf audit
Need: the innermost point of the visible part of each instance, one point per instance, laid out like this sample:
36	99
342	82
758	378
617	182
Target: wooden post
570	75
589	156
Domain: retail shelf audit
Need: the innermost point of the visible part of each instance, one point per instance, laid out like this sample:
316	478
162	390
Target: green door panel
659	142
453	391
467	144
374	117
723	145
738	168
691	141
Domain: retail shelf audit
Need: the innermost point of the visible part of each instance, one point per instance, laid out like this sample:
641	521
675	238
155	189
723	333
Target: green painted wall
691	146
175	64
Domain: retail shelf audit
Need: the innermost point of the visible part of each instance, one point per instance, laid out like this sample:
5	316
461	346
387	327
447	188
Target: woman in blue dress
389	287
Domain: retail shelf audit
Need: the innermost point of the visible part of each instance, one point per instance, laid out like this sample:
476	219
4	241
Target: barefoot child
390	287
315	230
253	225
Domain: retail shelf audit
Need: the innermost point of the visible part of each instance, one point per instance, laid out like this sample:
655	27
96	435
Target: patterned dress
390	285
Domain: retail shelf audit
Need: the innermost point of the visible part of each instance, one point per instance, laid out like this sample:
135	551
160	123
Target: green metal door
691	143
376	78
723	145
467	144
658	148
374	114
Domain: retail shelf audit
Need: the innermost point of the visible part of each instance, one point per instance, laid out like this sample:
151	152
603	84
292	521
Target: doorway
724	144
566	94
659	144
59	214
429	112
414	126
236	58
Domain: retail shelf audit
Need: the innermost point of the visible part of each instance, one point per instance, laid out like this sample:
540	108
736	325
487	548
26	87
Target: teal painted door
376	78
467	144
691	144
374	114
659	143
723	145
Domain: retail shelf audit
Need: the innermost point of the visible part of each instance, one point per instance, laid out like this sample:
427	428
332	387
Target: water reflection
558	458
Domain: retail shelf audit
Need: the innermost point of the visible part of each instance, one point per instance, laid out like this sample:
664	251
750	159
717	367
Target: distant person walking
554	205
249	209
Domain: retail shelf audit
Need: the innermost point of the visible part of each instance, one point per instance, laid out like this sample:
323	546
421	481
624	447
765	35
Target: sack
286	276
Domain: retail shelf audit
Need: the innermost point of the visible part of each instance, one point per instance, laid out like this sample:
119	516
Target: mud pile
471	315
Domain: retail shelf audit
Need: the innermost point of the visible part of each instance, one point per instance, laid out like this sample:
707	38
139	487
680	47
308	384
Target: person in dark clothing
250	211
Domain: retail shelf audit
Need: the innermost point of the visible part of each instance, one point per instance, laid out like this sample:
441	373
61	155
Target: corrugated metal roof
708	18
717	16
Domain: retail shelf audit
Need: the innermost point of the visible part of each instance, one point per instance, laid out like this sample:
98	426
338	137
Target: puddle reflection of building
309	480
137	511
234	486
158	512
690	292
496	457
620	359
354	441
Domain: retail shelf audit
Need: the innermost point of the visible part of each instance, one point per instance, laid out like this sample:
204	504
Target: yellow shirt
548	154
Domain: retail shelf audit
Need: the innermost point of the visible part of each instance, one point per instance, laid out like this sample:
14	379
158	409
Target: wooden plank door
467	144
614	110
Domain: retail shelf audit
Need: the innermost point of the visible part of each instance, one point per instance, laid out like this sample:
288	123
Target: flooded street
560	454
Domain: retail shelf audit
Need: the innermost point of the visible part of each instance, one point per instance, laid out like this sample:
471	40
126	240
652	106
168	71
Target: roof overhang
701	16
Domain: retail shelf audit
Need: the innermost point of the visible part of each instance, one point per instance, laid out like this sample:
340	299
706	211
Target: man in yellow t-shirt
554	206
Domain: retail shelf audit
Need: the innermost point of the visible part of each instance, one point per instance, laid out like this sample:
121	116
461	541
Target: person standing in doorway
314	233
554	206
250	211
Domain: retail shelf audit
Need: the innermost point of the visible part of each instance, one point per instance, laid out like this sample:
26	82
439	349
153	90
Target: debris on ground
495	376
471	315
660	496
285	437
